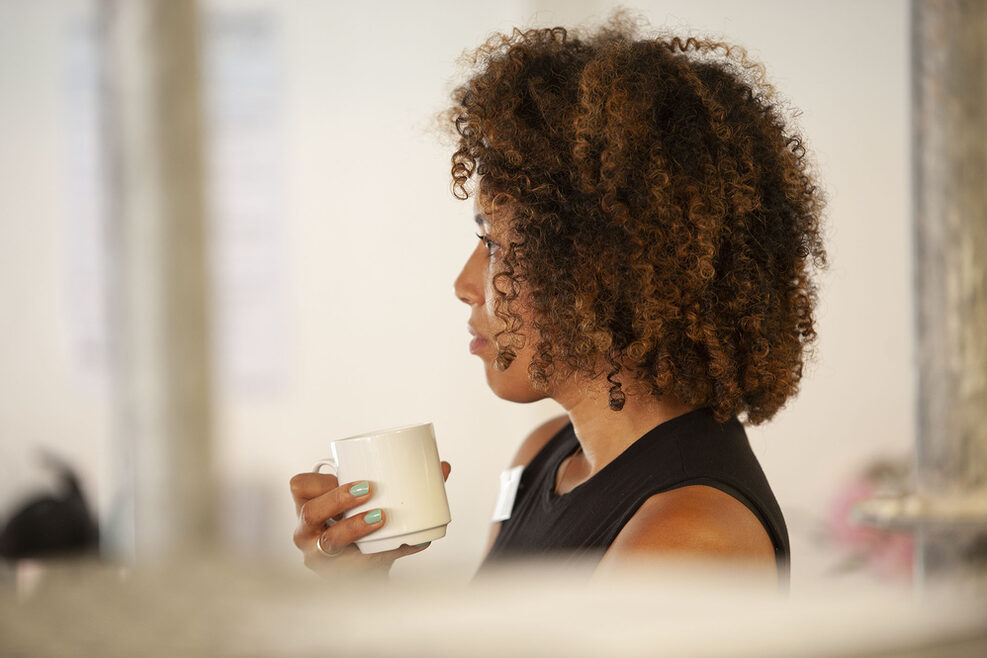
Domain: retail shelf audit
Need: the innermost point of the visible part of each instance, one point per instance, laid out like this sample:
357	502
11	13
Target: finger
346	532
332	551
306	486
386	558
446	469
404	549
317	511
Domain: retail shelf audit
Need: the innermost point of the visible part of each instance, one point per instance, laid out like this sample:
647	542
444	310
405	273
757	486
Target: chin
524	397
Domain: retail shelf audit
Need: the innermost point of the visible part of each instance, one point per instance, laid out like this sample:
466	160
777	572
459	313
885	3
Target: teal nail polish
360	489
424	543
372	517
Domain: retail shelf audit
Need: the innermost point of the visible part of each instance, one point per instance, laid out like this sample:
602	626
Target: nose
469	284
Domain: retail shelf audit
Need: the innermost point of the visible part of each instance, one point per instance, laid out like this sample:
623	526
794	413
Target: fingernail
424	543
372	517
360	489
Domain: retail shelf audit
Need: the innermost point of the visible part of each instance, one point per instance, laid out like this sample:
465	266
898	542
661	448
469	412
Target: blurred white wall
371	241
52	391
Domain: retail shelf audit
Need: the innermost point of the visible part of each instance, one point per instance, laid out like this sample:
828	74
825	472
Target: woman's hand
327	550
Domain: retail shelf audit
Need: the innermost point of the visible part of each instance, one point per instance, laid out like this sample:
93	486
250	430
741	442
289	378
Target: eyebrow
479	219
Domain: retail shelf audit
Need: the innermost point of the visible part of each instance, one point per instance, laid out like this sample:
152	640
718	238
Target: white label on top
509	481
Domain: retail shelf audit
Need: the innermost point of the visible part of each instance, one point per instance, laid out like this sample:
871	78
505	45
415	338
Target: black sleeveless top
689	449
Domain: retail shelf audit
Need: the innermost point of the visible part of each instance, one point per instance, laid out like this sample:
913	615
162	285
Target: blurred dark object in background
52	525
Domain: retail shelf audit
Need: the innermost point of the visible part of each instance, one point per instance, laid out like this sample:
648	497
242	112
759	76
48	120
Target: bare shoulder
695	521
537	439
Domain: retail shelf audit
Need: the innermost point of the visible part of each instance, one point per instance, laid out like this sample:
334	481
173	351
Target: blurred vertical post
949	73
153	120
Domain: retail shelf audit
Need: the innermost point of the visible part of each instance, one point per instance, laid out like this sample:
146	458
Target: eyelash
488	243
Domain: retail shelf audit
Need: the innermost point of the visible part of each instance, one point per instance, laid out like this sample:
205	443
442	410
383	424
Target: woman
648	226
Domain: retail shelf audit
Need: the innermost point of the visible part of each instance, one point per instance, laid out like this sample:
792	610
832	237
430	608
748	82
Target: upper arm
694	522
530	447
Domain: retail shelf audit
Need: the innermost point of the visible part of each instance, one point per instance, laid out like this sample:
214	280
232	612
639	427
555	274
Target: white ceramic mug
402	465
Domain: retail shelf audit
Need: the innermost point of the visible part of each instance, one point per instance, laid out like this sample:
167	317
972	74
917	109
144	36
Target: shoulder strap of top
546	461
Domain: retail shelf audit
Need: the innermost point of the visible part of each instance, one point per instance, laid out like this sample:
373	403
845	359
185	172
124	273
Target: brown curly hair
665	219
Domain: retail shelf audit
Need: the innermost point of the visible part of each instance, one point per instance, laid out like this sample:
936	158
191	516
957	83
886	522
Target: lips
478	342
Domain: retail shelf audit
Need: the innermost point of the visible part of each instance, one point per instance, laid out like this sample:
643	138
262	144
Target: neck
603	433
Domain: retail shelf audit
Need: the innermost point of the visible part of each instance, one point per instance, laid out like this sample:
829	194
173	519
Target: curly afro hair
665	219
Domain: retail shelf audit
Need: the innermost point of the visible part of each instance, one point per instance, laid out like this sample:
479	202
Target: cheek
494	323
512	384
489	294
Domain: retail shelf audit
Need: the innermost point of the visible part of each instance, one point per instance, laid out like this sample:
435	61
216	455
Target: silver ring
335	551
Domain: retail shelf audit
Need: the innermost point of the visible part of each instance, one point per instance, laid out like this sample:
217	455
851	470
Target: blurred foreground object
539	609
948	509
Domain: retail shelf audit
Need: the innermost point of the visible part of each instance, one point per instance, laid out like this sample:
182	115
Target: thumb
446	469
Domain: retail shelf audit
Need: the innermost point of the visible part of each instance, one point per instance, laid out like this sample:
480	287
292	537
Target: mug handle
328	462
333	467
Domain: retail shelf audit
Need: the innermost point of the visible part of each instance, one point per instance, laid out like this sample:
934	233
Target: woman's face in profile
475	287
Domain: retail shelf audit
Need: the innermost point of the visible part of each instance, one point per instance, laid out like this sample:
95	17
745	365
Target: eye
489	244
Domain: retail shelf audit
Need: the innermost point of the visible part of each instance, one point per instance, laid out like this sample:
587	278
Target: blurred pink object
889	555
